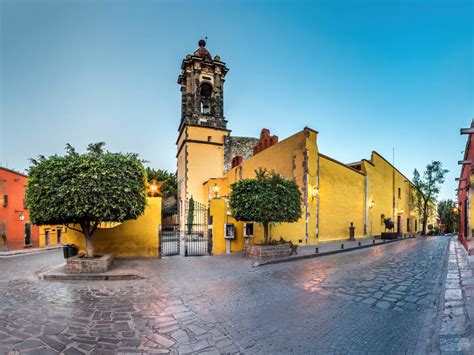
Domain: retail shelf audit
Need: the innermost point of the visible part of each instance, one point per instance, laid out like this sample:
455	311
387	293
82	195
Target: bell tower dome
202	89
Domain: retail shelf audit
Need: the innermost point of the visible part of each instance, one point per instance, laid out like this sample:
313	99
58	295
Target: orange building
16	230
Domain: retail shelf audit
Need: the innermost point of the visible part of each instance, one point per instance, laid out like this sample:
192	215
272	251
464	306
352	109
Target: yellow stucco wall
344	195
383	182
287	158
200	157
53	235
138	238
342	200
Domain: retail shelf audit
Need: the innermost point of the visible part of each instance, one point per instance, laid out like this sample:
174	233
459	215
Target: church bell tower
202	128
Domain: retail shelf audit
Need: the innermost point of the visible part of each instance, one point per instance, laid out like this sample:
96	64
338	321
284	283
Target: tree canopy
448	215
166	181
268	198
83	190
427	188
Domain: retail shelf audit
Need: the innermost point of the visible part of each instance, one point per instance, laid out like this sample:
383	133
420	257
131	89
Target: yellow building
52	235
136	238
335	195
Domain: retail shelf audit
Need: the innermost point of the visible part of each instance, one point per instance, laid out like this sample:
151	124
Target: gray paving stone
384	304
369	300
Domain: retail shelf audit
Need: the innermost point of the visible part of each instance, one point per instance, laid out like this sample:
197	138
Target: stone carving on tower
202	89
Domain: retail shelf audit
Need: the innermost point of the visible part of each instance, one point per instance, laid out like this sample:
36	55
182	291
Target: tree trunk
88	235
89	247
265	232
425	218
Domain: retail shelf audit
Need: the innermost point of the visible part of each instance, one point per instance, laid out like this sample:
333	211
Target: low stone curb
317	255
58	273
90	277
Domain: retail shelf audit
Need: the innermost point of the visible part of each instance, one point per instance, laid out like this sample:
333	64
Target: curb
90	277
310	256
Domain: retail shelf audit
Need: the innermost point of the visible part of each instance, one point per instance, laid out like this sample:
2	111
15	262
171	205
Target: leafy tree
83	190
190	216
427	188
166	181
448	214
269	198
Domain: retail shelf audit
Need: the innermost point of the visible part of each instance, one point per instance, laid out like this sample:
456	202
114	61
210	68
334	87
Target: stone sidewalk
456	330
323	249
9	253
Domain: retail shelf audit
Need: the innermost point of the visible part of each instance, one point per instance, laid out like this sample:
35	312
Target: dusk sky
368	75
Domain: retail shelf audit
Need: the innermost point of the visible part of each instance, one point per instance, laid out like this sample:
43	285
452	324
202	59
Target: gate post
159	241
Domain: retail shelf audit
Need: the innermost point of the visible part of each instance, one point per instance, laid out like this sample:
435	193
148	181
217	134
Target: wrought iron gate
197	237
193	238
169	241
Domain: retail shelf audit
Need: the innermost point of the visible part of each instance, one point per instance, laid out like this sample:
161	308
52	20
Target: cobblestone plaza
386	299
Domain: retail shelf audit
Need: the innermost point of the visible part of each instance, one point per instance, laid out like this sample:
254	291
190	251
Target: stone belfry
202	89
201	132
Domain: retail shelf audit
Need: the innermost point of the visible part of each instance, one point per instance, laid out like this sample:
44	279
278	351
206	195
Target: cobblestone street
386	299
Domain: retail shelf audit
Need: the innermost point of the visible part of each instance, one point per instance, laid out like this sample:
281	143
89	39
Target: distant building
466	191
16	230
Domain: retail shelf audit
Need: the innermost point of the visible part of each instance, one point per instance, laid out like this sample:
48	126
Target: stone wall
267	252
237	146
81	265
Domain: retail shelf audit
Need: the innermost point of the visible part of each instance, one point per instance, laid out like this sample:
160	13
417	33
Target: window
59	234
205	93
46	237
399	193
5	200
3	235
27	234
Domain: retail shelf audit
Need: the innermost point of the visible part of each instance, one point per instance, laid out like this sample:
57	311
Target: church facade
335	195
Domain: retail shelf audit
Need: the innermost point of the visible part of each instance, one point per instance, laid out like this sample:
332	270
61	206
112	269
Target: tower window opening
205	107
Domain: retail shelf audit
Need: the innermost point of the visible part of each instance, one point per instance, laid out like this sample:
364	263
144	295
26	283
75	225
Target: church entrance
197	237
169	241
193	238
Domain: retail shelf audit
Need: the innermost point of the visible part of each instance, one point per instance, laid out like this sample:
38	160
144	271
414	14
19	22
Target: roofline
310	129
398	171
13	171
344	165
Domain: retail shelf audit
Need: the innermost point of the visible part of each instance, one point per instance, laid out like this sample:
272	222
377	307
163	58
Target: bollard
342	246
317	250
360	243
373	241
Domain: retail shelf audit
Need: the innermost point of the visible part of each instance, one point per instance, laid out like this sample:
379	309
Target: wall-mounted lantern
371	204
216	189
22	216
313	192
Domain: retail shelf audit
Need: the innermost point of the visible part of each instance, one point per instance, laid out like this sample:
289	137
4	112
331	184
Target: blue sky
368	75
